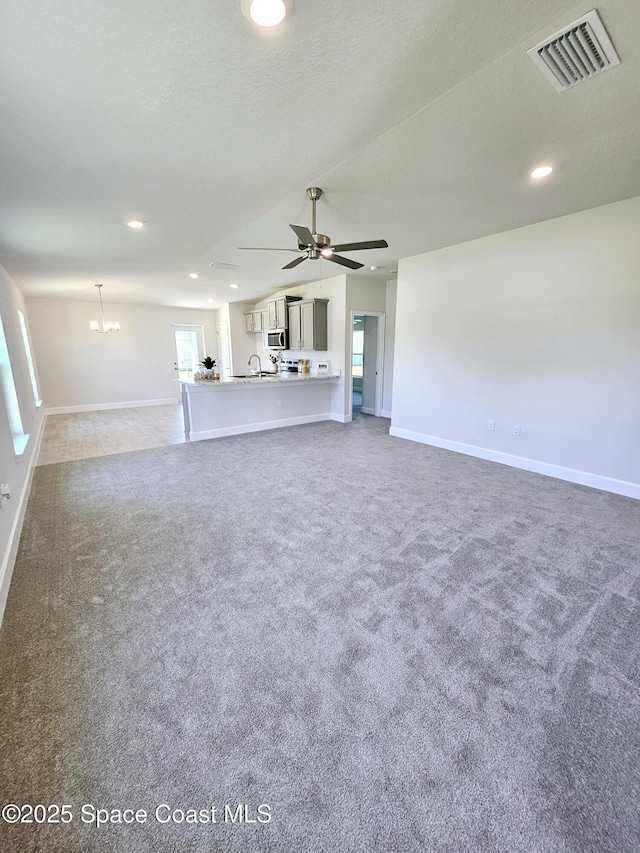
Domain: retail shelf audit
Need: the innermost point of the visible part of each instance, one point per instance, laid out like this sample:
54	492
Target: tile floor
84	434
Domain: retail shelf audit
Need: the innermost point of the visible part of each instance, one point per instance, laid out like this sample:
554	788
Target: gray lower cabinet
308	325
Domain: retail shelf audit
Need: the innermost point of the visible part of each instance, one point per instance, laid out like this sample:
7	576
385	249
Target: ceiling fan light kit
314	246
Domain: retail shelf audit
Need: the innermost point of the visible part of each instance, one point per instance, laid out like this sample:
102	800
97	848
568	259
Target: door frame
380	315
187	327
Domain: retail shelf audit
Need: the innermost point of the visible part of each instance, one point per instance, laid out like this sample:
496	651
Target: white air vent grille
578	52
219	265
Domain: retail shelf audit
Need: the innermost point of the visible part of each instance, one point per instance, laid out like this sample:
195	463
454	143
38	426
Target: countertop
267	379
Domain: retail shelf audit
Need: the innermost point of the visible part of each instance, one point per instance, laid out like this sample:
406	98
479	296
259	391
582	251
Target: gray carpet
393	647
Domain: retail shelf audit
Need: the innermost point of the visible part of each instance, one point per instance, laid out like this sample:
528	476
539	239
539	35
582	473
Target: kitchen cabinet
278	313
277	316
308	325
253	321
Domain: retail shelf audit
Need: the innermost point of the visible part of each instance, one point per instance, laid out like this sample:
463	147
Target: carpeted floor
386	646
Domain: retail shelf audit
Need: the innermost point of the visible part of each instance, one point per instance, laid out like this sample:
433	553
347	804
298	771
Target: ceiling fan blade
337	259
266	249
295	262
367	244
305	237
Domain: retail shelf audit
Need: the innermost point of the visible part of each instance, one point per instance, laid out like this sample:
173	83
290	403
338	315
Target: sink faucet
255	355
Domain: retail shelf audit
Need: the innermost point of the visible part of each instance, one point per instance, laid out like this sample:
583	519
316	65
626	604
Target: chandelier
107	325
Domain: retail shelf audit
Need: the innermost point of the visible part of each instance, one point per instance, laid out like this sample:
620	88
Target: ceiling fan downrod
314	194
322	243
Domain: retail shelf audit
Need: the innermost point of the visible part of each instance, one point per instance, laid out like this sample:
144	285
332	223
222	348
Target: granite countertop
267	379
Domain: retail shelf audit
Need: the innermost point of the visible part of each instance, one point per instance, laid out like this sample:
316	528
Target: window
20	438
27	349
358	350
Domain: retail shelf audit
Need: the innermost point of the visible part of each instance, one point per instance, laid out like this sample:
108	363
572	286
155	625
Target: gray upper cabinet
253	321
308	325
277	316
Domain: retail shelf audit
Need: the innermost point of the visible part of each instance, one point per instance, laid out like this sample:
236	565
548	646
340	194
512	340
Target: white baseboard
341	419
367	411
571	475
256	427
386	413
9	556
37	443
99	407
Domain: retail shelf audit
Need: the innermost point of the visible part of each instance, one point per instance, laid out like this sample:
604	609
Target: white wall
15	471
244	344
80	368
537	327
366	294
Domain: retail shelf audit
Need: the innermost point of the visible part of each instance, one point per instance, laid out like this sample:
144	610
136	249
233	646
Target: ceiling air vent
578	52
219	265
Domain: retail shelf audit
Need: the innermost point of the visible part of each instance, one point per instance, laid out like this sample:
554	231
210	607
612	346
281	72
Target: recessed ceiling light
194	275
266	13
541	172
211	300
135	223
234	286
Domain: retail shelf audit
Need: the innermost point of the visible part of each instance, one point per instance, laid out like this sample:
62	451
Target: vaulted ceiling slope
420	121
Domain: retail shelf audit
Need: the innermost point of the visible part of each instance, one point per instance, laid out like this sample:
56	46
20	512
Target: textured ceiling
420	122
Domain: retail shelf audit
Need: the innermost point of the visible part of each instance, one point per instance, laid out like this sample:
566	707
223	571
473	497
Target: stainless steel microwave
277	339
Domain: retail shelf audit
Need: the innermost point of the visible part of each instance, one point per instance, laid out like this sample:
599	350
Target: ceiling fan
314	245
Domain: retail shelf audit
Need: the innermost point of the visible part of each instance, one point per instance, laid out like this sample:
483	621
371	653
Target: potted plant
209	365
275	360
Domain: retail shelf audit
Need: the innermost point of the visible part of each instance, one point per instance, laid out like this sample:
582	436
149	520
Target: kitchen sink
254	376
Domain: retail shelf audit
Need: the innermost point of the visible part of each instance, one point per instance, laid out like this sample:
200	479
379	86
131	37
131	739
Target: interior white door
188	349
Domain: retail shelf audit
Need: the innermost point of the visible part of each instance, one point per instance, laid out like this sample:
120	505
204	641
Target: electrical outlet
279	404
491	425
516	430
5	492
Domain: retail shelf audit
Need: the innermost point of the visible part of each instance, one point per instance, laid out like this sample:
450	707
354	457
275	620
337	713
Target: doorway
188	346
357	364
367	360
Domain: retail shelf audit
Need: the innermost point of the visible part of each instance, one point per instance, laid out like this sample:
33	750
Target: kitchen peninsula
234	405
